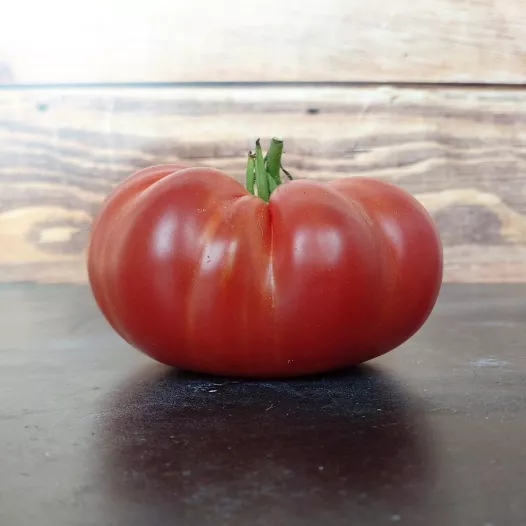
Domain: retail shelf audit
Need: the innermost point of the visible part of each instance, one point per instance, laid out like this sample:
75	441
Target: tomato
197	272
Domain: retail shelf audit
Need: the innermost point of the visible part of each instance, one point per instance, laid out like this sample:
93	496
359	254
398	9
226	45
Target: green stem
262	177
263	173
251	172
287	174
274	154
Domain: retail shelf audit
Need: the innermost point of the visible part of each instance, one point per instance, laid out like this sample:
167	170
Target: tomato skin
190	268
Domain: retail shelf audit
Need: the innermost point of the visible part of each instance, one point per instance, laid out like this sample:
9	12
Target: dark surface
94	433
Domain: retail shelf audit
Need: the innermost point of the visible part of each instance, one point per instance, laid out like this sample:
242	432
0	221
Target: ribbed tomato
190	267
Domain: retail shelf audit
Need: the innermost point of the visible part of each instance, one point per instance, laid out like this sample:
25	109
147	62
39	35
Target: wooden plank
462	152
236	40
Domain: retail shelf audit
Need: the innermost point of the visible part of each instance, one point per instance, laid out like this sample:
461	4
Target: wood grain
462	152
59	41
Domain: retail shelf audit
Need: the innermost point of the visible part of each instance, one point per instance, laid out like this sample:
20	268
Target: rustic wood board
462	152
236	40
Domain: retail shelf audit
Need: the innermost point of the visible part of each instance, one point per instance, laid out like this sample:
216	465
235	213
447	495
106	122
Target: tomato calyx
263	173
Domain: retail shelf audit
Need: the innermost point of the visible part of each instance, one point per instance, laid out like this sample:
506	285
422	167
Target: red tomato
198	273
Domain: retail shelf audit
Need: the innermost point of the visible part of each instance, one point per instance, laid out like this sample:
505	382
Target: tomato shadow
192	445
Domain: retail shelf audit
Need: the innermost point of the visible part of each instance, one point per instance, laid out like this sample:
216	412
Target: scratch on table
489	362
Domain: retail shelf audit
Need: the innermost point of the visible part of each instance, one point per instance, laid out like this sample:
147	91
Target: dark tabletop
94	433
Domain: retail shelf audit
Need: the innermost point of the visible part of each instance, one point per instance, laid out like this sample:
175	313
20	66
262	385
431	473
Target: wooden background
429	95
